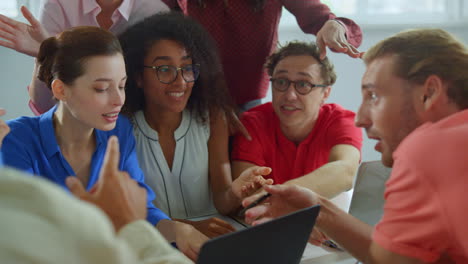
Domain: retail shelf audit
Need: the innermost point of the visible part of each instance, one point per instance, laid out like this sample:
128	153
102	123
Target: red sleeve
342	129
245	150
412	224
311	15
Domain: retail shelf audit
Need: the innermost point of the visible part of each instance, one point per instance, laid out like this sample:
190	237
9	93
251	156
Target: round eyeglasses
167	74
301	87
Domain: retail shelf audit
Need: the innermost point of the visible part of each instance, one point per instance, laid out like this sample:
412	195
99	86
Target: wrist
325	211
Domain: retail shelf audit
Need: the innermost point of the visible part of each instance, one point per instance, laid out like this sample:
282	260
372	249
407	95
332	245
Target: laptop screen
280	241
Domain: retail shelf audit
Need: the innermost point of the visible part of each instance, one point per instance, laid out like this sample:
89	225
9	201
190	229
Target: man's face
387	111
292	108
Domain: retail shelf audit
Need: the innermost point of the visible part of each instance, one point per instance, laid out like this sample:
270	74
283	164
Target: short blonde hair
424	52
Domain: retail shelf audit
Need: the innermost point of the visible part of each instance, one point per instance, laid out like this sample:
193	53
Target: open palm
20	36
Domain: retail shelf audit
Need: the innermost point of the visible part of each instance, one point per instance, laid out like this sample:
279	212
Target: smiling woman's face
96	97
172	97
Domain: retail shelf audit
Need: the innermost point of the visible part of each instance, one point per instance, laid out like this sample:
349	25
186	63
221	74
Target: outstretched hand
119	196
333	35
250	181
22	37
284	199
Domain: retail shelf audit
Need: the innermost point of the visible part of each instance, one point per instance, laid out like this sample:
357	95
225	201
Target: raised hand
119	196
284	199
250	181
22	37
333	35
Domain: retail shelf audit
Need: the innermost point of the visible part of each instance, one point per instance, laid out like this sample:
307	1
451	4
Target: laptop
280	241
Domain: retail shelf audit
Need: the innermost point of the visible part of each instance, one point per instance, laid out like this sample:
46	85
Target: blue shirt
32	146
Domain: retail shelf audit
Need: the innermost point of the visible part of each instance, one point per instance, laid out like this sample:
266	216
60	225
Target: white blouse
183	192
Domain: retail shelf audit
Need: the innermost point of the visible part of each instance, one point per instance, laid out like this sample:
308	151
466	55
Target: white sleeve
149	245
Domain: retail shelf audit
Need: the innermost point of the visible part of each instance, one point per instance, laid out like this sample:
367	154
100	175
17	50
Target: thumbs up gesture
118	195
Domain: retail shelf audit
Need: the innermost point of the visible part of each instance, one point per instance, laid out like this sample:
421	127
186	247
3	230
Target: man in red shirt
415	104
246	32
303	140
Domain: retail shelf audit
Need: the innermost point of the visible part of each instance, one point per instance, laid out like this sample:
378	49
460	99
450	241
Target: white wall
15	74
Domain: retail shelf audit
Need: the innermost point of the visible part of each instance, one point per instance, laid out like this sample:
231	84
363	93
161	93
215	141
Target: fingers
321	46
111	158
29	16
223	224
2	111
261	221
8	31
8	22
6	44
254	213
262	170
76	188
247	201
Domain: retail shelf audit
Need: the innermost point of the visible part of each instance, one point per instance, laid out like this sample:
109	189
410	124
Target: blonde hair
424	52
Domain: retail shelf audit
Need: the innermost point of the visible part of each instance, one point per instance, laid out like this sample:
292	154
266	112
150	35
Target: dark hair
210	90
423	52
297	48
62	57
257	5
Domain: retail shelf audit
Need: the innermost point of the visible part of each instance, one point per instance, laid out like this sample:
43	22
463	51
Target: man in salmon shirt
415	104
303	140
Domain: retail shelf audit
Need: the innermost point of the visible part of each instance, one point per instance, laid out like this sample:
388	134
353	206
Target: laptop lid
280	241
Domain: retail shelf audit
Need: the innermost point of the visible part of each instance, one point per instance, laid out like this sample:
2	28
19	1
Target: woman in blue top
85	70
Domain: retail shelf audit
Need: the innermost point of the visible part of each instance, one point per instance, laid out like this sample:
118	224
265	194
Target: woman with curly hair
178	100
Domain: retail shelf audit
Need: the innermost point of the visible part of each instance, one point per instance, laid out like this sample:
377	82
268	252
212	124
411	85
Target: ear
433	91
58	89
326	93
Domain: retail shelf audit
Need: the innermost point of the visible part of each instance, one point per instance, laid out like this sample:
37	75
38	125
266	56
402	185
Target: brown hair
63	57
297	48
424	52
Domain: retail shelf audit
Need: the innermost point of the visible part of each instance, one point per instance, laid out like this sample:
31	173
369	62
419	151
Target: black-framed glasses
301	87
167	74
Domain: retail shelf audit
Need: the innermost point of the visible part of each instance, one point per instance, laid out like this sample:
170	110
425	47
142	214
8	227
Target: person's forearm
167	229
39	93
148	245
329	180
226	201
349	232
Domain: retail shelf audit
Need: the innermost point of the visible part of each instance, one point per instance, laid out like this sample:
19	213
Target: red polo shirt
269	147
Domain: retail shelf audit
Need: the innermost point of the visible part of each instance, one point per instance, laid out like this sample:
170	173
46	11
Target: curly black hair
210	92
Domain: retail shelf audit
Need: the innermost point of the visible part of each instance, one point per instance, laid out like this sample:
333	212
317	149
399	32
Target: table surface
318	255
